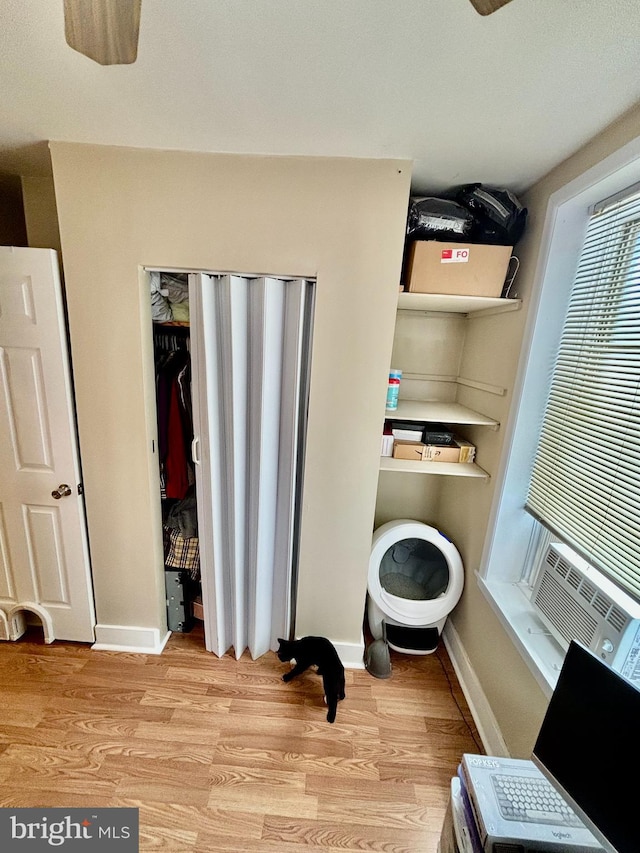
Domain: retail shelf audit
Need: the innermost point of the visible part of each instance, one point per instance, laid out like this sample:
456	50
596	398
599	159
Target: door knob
61	492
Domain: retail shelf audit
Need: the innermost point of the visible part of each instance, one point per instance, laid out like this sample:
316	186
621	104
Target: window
585	484
515	538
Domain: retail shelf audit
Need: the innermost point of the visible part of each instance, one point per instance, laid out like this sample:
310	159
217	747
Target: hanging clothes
176	462
175	422
183	516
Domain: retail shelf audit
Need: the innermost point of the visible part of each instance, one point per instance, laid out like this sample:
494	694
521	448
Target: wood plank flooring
221	755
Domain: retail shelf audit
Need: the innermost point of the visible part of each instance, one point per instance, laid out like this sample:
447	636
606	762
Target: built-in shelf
437	412
455	304
447	469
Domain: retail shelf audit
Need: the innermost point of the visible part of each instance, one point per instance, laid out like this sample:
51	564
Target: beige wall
40	213
339	220
491	352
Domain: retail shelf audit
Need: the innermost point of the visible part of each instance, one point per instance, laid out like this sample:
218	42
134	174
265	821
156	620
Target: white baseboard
483	717
351	654
128	638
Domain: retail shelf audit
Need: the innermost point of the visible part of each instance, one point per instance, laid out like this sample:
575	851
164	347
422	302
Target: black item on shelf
406	424
433	218
437	434
499	218
442	438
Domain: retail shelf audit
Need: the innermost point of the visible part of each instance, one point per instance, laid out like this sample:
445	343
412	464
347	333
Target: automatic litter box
415	580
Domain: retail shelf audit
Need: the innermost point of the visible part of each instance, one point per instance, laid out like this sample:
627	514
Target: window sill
539	649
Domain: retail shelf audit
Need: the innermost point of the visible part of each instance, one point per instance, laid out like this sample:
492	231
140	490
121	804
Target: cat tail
333	707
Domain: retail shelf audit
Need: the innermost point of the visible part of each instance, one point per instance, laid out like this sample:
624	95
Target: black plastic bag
499	218
432	218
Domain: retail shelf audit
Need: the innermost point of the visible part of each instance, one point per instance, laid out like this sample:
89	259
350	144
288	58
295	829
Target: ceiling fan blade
104	30
486	7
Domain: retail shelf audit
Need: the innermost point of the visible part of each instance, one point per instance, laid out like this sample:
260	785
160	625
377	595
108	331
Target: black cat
320	652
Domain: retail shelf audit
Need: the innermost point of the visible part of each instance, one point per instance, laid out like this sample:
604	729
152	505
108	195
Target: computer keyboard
532	801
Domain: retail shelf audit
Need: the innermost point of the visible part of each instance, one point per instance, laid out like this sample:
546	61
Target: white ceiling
500	99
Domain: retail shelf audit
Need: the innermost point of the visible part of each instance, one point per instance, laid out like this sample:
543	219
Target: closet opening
232	359
172	359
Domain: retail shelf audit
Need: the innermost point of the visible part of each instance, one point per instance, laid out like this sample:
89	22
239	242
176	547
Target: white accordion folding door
251	353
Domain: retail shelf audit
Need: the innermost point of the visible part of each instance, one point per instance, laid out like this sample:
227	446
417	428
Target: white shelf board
437	412
455	304
447	469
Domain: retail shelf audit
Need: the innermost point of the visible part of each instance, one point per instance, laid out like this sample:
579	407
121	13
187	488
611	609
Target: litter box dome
416	575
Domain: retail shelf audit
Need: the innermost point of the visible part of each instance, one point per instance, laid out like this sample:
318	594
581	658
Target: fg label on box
454	256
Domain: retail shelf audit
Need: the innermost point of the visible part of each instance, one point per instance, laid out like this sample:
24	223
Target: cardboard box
197	608
442	453
413	450
467	450
461	269
460	451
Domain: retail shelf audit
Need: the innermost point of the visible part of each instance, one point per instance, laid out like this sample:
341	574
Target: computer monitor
589	748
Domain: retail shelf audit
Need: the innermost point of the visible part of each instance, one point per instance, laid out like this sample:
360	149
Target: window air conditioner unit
578	602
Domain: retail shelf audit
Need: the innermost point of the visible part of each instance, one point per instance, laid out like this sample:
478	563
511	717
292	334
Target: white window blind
585	484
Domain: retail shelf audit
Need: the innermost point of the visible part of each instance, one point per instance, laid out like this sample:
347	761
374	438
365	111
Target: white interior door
44	561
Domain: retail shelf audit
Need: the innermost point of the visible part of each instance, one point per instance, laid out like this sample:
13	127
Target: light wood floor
221	755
